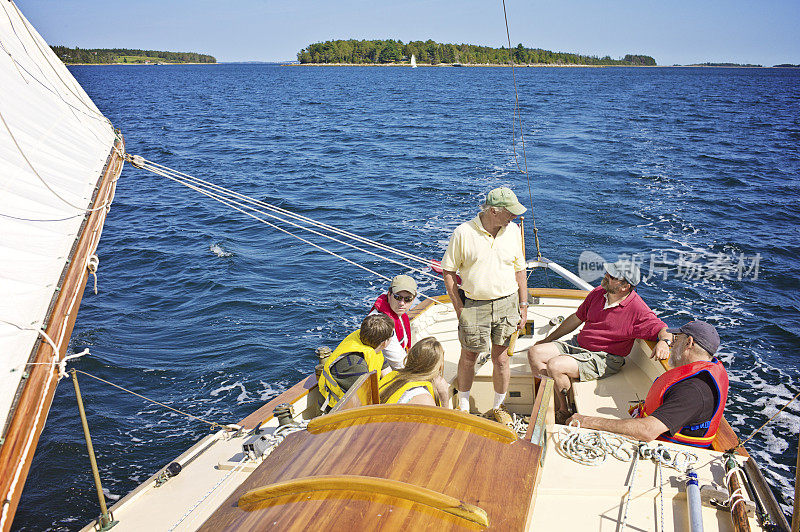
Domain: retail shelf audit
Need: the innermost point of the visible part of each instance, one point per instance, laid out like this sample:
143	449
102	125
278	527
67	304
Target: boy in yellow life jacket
359	353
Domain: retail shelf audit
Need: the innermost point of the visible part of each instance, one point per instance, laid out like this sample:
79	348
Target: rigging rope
232	203
253	207
518	117
136	160
767	422
736	497
213	424
591	448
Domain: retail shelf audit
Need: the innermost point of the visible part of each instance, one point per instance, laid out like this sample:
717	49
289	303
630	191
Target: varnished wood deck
495	476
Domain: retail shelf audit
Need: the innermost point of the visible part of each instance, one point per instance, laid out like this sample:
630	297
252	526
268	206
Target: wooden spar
36	395
763	496
738	510
796	512
105	519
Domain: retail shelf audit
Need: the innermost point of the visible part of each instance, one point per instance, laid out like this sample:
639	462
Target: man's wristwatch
668	342
523	304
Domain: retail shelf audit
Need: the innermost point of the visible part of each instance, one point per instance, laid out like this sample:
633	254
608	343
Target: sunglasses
407	299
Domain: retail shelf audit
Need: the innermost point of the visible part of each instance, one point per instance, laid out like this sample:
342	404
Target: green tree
390	53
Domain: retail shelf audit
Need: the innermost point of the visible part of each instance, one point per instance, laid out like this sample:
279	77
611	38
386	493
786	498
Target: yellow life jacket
395	397
328	386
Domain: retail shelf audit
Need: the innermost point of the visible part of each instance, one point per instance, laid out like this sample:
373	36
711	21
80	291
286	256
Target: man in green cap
486	253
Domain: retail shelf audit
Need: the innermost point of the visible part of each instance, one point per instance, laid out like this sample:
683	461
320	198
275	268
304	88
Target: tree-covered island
107	56
430	52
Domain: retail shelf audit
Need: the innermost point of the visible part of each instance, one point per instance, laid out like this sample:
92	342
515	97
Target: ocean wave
219	251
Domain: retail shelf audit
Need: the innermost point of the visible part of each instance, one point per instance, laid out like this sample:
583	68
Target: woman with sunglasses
395	303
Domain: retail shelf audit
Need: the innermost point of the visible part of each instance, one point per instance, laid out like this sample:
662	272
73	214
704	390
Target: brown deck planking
59	325
495	476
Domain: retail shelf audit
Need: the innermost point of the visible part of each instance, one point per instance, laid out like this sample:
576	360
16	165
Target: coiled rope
592	448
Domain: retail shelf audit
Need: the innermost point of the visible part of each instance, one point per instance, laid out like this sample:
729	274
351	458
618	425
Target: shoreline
448	65
136	64
533	65
427	65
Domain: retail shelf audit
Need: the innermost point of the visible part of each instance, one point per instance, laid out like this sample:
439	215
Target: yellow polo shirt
487	265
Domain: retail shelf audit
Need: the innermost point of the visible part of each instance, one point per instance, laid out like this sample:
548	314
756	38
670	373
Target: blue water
214	313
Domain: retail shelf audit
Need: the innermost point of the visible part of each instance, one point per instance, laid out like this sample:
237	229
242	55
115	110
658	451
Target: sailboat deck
606	397
521	486
599	492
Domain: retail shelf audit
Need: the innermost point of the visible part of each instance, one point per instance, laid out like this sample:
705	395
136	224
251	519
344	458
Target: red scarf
402	325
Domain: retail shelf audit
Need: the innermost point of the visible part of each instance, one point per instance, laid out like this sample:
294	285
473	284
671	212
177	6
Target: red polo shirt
614	329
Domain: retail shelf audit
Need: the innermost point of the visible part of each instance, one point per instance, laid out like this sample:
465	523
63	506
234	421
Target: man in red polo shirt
613	316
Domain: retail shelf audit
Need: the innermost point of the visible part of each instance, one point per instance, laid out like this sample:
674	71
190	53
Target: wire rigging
257	210
518	118
213	424
285	212
767	422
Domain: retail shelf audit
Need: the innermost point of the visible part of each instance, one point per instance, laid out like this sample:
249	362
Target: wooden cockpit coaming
494	474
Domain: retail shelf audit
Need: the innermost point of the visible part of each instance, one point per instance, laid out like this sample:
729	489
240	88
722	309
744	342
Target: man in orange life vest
685	404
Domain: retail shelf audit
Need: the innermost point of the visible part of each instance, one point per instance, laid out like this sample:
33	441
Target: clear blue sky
682	32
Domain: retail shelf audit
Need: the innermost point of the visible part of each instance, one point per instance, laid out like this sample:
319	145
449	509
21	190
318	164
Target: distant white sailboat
413	61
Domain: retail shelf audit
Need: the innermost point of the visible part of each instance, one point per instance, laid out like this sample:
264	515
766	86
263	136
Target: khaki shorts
592	365
485	321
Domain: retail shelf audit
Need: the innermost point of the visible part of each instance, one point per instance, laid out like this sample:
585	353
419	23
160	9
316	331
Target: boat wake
243	397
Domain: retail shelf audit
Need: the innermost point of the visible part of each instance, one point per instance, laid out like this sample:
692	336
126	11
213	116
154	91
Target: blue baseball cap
705	335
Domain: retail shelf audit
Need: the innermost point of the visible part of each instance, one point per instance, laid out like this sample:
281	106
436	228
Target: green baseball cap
504	197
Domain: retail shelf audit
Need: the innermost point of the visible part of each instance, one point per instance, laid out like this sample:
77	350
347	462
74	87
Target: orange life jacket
655	397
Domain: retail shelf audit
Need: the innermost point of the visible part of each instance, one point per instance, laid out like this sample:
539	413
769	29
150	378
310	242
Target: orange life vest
655	397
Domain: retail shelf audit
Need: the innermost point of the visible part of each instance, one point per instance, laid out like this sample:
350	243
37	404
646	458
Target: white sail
54	144
413	61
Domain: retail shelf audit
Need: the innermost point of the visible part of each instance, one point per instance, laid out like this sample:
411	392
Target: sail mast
59	162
